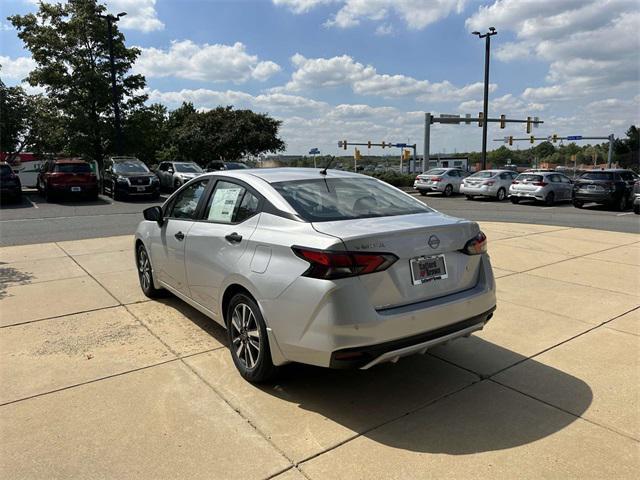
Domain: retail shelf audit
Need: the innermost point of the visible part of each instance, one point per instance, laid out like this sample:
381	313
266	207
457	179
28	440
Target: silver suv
547	187
173	175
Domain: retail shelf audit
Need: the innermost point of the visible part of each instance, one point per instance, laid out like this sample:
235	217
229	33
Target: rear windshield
130	167
5	170
331	199
72	168
188	168
436	171
597	176
527	177
485	174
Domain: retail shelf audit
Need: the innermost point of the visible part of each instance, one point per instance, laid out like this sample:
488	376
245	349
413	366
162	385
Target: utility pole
427	139
485	107
114	88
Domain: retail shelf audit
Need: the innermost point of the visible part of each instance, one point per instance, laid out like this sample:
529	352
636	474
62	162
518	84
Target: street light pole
114	88
485	107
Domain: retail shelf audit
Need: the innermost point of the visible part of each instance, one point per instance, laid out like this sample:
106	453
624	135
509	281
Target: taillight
327	264
418	177
436	179
489	182
515	182
477	245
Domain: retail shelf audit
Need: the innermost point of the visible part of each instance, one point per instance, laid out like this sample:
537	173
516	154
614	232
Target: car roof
125	159
282	174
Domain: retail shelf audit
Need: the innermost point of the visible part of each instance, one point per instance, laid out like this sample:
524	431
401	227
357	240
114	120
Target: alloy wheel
245	336
144	269
501	194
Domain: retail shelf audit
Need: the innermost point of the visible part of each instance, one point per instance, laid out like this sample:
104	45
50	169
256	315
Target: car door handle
179	236
233	237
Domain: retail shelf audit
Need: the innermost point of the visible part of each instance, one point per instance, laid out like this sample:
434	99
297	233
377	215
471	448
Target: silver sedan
547	187
488	183
330	268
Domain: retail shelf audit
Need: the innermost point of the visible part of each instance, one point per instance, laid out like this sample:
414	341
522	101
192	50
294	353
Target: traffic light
555	138
532	139
383	144
529	125
344	144
369	144
480	118
510	139
503	121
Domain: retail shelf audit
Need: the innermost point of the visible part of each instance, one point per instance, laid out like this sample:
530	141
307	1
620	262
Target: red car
67	177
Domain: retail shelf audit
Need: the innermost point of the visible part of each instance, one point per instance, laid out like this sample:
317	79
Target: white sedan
444	180
488	183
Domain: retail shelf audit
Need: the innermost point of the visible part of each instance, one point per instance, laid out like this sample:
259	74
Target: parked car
173	174
215	166
611	187
336	270
444	180
67	176
10	186
234	166
127	176
488	183
636	197
547	187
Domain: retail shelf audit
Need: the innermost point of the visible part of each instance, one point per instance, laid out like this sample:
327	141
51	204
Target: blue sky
369	69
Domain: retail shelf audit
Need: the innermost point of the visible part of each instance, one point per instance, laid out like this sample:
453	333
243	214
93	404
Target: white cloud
417	14
316	73
214	63
590	44
507	104
141	14
16	68
384	29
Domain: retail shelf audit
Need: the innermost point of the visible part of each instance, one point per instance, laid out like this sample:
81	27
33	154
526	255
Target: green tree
544	149
69	44
146	132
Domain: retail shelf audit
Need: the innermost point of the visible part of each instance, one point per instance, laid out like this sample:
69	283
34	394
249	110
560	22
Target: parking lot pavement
100	382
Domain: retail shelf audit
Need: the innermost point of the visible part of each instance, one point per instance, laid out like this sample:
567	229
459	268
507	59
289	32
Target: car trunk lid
408	237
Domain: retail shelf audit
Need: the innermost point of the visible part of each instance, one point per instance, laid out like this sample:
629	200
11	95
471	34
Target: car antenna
324	170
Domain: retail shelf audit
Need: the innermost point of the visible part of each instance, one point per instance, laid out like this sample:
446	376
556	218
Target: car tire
622	203
578	204
145	274
636	209
448	191
248	341
49	196
469	197
424	194
550	199
515	200
176	185
501	195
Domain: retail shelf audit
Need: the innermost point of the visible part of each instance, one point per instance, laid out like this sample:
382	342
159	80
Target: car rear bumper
429	187
535	195
91	189
598	197
315	326
481	190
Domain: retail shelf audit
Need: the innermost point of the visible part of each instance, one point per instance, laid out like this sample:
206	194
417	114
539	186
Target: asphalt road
36	221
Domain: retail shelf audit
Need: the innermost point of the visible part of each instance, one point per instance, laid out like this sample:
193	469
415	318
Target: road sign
574	137
314	151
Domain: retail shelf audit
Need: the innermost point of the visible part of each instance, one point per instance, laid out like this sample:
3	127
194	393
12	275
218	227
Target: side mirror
153	214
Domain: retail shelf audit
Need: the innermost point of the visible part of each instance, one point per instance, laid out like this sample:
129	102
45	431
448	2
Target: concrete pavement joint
611	429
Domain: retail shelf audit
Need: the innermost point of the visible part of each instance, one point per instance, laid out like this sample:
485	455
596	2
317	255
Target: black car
611	187
10	186
125	177
215	166
636	197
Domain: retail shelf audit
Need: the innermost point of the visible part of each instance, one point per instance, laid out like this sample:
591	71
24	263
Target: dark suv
127	176
611	187
10	186
67	176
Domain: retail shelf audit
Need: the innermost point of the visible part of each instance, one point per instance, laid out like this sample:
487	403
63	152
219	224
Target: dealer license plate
141	189
426	269
75	189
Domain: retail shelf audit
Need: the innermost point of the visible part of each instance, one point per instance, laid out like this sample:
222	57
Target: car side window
452	173
186	202
505	176
162	167
565	179
554	178
231	203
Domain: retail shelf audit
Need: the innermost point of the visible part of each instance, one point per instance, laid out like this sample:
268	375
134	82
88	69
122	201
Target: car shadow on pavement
79	201
406	406
12	205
